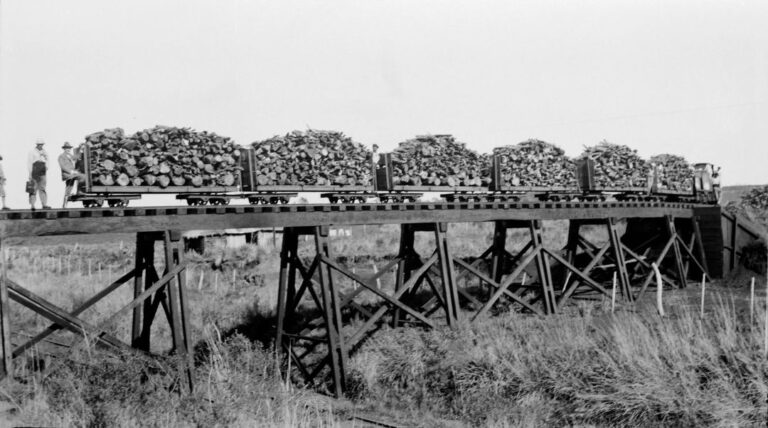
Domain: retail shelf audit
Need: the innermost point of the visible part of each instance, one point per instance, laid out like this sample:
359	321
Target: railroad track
180	218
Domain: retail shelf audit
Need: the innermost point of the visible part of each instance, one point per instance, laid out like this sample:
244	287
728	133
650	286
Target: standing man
37	163
2	185
69	174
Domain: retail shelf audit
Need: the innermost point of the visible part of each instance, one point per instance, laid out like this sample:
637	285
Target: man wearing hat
37	164
69	174
2	185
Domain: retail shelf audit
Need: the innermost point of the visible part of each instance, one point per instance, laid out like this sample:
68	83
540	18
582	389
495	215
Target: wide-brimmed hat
39	142
66	145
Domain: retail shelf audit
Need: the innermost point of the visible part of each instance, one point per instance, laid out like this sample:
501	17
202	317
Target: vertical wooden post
572	245
448	275
543	268
700	244
150	305
676	251
176	307
618	255
499	251
184	306
404	265
287	284
5	327
138	288
173	296
336	349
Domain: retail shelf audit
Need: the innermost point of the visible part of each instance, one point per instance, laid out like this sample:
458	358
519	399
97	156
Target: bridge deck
181	218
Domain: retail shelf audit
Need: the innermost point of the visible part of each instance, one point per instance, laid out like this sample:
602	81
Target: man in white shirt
37	164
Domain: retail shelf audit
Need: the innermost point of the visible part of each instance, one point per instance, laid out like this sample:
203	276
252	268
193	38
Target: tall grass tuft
634	369
238	384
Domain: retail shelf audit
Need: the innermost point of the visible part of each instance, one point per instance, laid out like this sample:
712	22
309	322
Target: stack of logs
161	157
617	166
312	158
535	163
673	172
439	160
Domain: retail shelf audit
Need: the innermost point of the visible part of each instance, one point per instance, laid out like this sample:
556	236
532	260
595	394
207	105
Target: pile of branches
163	156
312	158
757	198
439	160
535	163
674	172
617	166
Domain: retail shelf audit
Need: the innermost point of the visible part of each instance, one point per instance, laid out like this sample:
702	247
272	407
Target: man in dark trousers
69	174
37	163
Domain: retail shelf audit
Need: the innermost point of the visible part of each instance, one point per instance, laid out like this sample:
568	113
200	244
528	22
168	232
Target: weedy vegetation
585	368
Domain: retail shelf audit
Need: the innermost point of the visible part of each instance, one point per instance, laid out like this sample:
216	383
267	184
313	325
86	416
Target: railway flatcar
703	189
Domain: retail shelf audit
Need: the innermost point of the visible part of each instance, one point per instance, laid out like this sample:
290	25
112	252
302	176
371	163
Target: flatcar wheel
273	200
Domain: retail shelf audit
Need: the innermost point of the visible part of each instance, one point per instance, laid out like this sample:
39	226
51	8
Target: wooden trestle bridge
319	324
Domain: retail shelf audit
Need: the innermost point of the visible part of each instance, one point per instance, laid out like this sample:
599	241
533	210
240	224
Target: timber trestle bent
150	292
326	310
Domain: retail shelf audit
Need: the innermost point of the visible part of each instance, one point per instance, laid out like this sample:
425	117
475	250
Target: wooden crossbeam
642	261
589	281
689	251
80	309
143	296
618	254
504	285
676	251
506	291
59	316
393	300
307	281
661	256
591	265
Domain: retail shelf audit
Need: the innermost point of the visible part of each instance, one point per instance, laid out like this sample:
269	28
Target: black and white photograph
383	213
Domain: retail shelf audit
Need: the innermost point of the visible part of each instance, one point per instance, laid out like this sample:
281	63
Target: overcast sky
686	77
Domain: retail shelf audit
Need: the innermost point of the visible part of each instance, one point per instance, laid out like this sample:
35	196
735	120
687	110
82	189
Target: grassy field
593	368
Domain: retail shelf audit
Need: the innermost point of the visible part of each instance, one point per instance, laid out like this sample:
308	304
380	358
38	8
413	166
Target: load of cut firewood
439	160
535	163
163	156
674	172
617	166
312	158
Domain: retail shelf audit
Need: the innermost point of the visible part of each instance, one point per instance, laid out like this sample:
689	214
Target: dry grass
512	370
